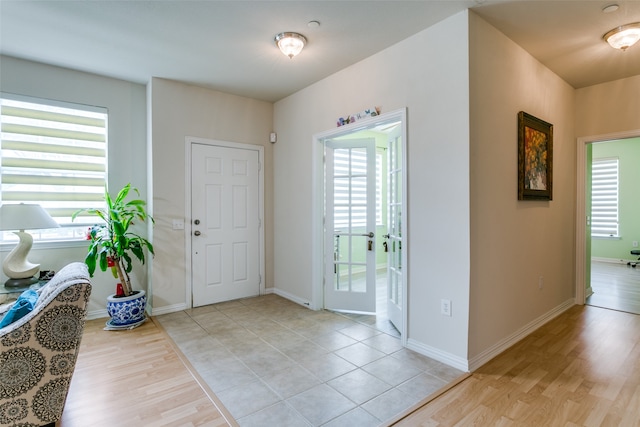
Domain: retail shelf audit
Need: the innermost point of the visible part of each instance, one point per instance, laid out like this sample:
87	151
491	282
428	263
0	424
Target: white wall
127	135
178	110
428	74
514	242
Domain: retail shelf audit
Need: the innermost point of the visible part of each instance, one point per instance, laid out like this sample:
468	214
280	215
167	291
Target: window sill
606	237
53	244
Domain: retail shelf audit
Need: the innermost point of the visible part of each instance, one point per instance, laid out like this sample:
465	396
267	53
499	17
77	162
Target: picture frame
535	158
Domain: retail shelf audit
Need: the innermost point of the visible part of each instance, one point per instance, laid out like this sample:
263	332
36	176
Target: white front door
350	226
394	228
225	224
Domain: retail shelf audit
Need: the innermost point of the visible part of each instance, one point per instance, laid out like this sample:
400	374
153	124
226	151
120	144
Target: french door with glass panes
350	220
394	227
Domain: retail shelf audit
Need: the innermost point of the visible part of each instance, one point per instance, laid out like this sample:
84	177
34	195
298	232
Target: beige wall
514	243
176	111
608	108
427	74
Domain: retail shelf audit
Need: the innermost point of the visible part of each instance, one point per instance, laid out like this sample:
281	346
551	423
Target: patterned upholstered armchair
38	352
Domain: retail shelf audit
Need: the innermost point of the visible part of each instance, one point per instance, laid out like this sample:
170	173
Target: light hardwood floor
136	378
580	369
615	286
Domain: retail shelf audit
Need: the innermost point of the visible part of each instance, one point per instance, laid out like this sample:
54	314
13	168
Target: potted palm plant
113	245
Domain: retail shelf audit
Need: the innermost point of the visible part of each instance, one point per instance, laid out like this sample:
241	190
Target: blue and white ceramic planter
127	310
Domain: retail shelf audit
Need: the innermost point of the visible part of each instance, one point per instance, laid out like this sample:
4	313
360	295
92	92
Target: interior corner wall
428	74
126	105
515	243
178	110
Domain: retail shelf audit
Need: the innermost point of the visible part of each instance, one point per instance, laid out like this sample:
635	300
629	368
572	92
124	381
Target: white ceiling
228	45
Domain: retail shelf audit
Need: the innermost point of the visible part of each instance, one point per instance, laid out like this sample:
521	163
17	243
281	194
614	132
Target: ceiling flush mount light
623	37
290	43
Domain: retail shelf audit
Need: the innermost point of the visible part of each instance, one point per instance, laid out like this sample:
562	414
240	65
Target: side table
12	294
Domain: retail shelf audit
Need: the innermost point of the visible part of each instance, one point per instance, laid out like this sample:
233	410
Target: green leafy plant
113	245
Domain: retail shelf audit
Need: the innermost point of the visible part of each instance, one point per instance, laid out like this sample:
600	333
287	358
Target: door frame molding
189	141
317	220
581	209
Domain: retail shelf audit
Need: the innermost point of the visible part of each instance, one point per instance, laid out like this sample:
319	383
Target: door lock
370	245
196	222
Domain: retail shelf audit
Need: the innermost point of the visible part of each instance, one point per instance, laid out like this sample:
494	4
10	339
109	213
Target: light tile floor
275	363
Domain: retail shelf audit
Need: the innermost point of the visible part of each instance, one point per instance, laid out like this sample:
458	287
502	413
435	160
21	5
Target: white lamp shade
623	37
25	217
22	217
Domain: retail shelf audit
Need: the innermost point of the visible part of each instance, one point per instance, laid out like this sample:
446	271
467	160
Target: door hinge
259	279
259	166
259	222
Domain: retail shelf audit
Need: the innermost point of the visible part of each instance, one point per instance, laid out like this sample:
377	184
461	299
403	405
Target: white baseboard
612	260
97	314
509	341
439	355
292	297
168	309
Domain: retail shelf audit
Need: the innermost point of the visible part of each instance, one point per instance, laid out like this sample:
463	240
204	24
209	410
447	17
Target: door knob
197	233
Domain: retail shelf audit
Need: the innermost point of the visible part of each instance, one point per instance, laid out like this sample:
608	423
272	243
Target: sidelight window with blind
604	198
53	154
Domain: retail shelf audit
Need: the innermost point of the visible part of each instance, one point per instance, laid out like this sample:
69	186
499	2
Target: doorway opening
359	215
606	234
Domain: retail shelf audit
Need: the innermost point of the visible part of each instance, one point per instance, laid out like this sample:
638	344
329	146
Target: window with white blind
604	198
53	154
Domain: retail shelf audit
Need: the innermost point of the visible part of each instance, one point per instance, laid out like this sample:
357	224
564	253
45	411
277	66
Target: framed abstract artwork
535	158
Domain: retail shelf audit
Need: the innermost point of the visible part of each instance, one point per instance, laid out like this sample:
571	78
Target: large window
53	154
604	198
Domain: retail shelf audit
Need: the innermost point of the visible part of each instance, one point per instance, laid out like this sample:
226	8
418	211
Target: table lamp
22	217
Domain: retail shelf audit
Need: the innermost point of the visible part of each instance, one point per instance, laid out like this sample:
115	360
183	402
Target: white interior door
225	223
394	228
350	225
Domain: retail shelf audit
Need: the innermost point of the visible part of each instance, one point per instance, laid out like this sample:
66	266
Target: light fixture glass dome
290	43
623	37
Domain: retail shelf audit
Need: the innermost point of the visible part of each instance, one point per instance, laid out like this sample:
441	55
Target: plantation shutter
604	198
353	163
350	190
53	154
